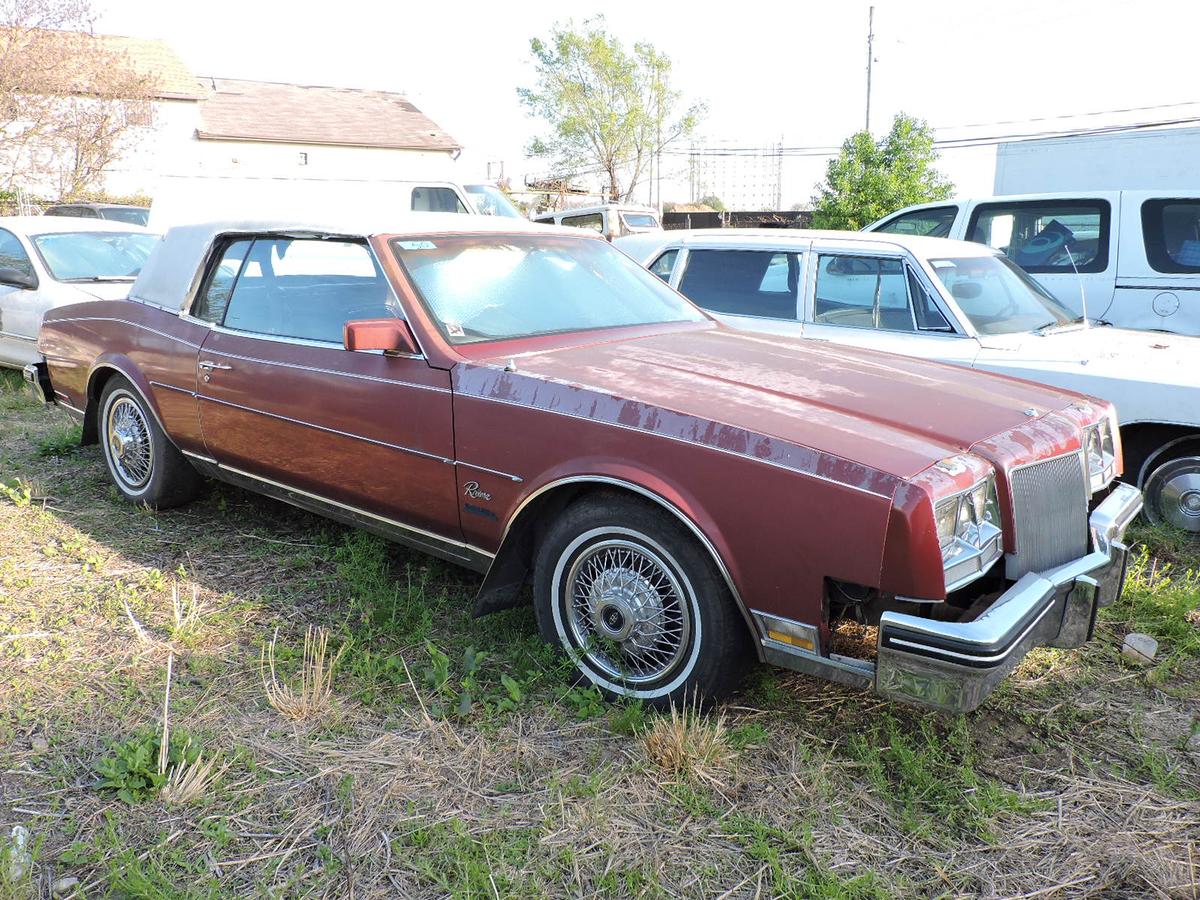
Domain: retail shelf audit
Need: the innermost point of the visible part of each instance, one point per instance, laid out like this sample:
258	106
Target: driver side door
285	407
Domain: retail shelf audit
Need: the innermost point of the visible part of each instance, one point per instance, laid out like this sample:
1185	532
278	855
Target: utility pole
870	58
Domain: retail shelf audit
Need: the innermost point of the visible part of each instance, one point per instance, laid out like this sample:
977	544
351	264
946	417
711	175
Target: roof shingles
302	114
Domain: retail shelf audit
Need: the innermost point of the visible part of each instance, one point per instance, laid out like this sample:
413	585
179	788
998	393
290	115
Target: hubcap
626	610
1178	493
129	443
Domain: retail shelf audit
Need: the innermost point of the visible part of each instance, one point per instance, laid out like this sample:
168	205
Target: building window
139	113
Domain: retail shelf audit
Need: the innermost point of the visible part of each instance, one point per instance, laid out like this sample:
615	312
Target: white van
1134	255
612	220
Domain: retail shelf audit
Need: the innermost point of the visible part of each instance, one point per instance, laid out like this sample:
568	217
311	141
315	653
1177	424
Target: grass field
444	756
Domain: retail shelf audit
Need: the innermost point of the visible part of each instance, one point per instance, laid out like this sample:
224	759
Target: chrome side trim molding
357	437
171	337
469	555
517	478
665	504
323	371
681	440
19	337
201	457
171	387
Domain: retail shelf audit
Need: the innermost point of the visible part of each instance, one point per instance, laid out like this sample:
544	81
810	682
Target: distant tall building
742	177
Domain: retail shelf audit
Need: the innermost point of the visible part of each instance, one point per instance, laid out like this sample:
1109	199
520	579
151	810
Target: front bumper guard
953	666
37	382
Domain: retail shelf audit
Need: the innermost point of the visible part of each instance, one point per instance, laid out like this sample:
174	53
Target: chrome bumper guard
37	382
953	666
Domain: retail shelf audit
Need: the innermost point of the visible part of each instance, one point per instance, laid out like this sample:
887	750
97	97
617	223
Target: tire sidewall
1157	478
565	557
121	390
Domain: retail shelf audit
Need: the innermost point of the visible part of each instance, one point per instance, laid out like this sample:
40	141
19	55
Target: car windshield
95	255
487	287
130	215
491	201
997	296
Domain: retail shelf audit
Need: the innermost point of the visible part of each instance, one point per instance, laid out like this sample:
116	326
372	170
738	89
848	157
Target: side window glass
743	282
929	317
925	222
13	255
1046	236
308	289
436	199
862	292
212	302
663	266
595	222
1171	230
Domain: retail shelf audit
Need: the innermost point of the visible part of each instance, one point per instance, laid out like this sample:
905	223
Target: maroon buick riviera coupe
529	403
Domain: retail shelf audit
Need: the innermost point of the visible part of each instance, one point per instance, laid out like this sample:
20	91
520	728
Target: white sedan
960	303
48	261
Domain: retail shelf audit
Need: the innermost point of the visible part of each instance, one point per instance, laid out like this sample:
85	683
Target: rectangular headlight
968	526
1100	451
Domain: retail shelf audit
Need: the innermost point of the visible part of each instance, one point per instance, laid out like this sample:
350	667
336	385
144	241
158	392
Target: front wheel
1172	490
637	604
144	465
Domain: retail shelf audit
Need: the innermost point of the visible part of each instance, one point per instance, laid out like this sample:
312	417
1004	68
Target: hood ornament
1030	411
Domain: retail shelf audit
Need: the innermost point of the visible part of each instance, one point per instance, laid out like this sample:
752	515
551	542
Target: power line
1099	112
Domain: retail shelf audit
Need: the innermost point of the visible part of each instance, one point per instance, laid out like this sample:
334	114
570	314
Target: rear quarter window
1171	230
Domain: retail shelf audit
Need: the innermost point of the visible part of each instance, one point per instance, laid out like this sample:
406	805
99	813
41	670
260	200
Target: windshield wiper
101	279
1078	320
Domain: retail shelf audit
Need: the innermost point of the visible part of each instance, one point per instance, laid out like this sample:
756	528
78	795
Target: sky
770	72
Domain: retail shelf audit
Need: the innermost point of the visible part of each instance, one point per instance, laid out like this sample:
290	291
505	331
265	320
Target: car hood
893	413
1148	356
101	290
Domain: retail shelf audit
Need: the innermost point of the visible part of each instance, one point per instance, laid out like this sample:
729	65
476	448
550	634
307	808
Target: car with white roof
49	261
956	302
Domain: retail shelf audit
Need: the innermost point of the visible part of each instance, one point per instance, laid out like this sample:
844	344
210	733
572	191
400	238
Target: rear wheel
637	604
144	465
1172	489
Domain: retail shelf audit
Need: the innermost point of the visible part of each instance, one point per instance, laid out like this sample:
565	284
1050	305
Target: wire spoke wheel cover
626	612
128	443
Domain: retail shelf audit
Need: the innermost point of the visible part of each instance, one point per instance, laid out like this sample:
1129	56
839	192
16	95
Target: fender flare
118	364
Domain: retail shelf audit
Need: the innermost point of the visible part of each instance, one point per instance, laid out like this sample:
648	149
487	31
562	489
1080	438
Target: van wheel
637	604
1172	489
144	465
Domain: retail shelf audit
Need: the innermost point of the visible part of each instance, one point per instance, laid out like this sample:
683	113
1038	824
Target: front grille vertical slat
1050	513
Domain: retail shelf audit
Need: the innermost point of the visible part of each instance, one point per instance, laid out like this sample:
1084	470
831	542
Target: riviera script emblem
471	489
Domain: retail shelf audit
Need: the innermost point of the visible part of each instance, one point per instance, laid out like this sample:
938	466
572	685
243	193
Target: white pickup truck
956	302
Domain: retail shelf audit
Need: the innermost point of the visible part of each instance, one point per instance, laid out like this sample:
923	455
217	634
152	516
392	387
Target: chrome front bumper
953	666
37	382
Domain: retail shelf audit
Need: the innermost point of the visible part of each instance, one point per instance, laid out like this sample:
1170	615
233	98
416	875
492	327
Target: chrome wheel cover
1175	491
627	611
128	442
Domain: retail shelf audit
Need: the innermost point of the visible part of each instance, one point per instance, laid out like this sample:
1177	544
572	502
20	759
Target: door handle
209	365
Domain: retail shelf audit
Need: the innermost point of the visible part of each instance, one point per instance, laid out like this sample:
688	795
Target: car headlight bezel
970	532
1100	454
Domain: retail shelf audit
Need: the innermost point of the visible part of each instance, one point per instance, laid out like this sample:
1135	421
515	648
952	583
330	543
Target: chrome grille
1050	514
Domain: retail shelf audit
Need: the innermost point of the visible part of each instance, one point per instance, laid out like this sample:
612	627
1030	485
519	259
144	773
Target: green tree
609	110
712	201
871	178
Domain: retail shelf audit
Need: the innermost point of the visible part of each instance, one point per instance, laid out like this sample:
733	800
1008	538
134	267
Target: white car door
21	308
881	301
1068	245
753	288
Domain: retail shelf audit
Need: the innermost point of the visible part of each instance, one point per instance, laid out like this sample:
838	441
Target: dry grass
685	744
309	696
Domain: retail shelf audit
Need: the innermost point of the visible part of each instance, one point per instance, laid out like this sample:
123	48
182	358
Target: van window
594	221
925	222
1171	230
436	199
1046	236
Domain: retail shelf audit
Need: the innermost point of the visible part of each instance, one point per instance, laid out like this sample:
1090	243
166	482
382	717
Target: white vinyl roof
169	276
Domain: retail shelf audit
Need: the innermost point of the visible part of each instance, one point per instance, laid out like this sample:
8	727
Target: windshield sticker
454	329
417	245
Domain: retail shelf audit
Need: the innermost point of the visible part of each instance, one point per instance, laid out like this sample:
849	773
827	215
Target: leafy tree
609	110
712	201
871	178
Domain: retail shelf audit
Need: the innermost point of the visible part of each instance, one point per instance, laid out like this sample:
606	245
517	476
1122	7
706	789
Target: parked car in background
530	403
51	261
1132	256
114	212
611	220
955	302
489	200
